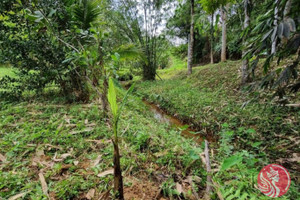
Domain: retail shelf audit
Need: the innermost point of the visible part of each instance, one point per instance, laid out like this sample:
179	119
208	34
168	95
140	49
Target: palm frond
86	13
130	52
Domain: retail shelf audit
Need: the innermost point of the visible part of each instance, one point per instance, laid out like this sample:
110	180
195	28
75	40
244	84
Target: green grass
32	135
64	141
211	101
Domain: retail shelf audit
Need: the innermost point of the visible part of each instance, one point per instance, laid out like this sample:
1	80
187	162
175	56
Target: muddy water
163	117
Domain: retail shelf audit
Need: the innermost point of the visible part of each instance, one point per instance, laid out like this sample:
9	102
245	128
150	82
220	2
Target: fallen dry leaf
31	145
160	154
76	162
295	158
53	146
179	188
59	127
65	155
2	158
62	157
42	161
99	141
88	129
97	161
67	119
90	194
39	152
18	196
44	184
107	172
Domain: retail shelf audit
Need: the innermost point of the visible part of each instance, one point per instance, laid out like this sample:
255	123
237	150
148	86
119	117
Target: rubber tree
191	39
245	65
210	7
224	33
275	24
286	12
224	5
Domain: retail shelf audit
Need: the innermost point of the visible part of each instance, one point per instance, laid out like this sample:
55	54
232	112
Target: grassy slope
31	135
210	100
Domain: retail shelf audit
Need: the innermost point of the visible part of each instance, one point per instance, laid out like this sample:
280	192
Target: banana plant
116	111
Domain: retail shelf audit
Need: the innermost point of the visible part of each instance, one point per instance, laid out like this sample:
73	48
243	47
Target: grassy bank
253	129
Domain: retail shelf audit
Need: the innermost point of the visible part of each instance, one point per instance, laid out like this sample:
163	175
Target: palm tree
210	6
86	13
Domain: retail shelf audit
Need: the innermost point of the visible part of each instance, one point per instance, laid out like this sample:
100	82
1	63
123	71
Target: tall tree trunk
286	13
97	76
224	34
245	66
191	40
273	51
287	9
212	39
149	71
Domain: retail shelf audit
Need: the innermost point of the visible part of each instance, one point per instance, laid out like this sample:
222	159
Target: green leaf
125	98
231	161
38	14
112	98
251	130
267	35
256	144
52	11
193	155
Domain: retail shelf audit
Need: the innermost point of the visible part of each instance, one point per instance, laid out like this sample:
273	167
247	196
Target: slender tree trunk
118	179
224	34
273	51
191	40
287	9
96	76
212	39
208	170
286	13
245	66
